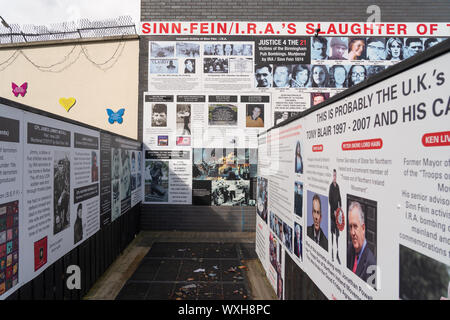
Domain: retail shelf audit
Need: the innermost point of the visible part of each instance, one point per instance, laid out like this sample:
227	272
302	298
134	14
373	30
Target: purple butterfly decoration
16	90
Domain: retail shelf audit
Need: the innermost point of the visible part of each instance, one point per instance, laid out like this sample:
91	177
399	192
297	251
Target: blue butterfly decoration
115	116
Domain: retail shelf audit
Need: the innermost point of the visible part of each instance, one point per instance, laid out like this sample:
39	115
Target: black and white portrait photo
78	225
319	48
263	75
287	233
319	76
159	115
61	191
228	49
356	75
115	163
189	66
282	76
394	49
300	76
376	48
412	47
338	75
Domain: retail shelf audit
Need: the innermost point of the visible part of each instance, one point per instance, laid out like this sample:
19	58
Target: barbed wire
85	52
66	57
102	66
68	30
49	68
10	60
84	28
6	61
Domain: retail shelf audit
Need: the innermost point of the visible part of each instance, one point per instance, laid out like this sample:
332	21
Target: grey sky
45	12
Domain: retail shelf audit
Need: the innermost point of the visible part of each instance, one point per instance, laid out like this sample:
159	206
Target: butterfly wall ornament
115	116
19	90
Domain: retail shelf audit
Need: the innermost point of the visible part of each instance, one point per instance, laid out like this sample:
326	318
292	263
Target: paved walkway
186	265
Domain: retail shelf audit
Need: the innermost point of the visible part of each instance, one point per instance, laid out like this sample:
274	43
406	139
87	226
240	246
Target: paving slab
162	265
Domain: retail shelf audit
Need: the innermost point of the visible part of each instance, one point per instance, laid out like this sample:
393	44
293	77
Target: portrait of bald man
359	256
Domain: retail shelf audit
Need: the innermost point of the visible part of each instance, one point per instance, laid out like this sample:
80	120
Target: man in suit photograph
298	199
334	197
298	241
314	231
359	255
